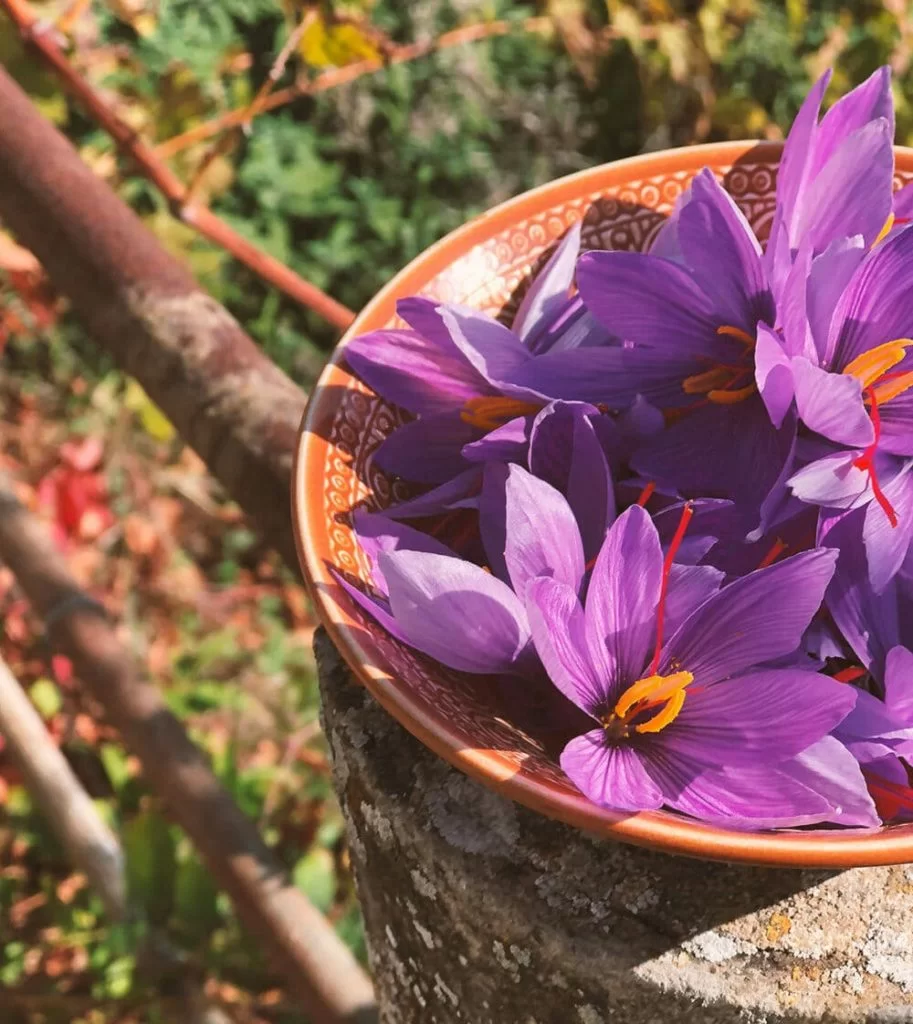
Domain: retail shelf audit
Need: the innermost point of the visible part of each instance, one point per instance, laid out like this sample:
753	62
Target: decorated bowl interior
468	720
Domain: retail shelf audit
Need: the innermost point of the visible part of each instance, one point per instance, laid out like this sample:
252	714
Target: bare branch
90	844
319	968
154	169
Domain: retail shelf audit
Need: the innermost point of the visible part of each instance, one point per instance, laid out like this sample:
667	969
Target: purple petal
831	404
377	607
542	538
852	194
623	595
428	450
763	717
834	481
610	776
460	492
829	769
651	301
507	443
897	424
865	103
898	683
689	587
754	619
490	347
493	517
719	247
549	290
456	612
903	203
773	374
376	533
414	372
886	546
828	278
558	628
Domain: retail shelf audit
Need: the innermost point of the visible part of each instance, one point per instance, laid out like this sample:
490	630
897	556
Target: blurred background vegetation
345	187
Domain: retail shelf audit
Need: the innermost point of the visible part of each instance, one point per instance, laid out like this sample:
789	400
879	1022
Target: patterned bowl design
485	264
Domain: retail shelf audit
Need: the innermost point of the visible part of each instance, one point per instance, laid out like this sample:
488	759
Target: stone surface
480	911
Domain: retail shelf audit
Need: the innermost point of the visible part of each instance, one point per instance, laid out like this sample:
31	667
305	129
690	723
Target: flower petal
898	683
834	481
828	768
831	404
428	450
867	102
507	443
491	348
376	533
754	619
623	595
460	492
549	290
610	776
886	546
542	538
414	372
773	374
558	629
829	275
762	717
456	612
689	587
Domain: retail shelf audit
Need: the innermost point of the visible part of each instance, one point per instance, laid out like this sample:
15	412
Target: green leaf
196	900
151	865
46	697
315	876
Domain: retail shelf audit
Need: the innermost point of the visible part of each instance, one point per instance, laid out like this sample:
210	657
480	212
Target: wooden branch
227	400
150	164
341	76
298	939
90	844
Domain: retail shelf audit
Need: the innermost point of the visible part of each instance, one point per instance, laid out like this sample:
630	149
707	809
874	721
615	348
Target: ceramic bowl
484	264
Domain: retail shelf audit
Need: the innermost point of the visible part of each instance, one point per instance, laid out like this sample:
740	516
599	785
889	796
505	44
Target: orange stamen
866	462
850	674
891	385
738	334
776	549
701	383
646	493
732	397
489	413
886	227
872	365
676	543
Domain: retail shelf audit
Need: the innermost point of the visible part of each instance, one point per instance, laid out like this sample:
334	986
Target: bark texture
227	400
480	911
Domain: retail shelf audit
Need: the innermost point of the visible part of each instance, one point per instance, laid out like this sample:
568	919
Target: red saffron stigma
647	493
849	675
776	549
866	461
679	536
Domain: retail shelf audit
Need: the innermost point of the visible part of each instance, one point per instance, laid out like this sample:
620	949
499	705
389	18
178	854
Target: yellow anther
888	389
701	383
883	234
732	397
493	412
871	365
738	334
666	716
652	691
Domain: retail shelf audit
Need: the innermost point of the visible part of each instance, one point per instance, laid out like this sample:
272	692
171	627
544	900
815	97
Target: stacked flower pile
683	487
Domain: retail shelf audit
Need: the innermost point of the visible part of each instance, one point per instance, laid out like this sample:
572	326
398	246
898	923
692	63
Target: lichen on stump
478	910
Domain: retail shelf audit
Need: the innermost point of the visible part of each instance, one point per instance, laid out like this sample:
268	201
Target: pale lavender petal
834	481
903	203
872	728
542	538
623	595
792	307
831	404
773	374
377	607
414	372
507	443
762	717
456	612
558	627
867	102
651	301
427	450
610	776
828	278
721	250
852	194
898	683
754	619
829	769
886	545
376	533
549	290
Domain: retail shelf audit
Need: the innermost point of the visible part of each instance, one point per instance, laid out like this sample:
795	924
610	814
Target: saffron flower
695	722
465	375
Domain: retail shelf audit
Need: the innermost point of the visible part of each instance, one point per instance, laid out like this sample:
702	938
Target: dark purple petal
610	776
897	424
828	768
558	629
549	291
460	492
719	247
623	595
507	443
456	612
898	683
773	375
542	538
651	301
428	450
762	717
831	404
493	517
414	372
754	619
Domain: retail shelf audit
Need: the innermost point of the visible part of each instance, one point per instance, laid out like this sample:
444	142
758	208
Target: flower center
725	383
649	705
489	413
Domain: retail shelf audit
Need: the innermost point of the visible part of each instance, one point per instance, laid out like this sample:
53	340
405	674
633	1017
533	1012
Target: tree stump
478	910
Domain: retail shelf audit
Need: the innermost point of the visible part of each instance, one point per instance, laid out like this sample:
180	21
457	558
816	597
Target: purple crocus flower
689	313
465	375
695	723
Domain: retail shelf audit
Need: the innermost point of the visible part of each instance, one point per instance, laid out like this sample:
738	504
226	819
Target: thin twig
299	940
341	76
276	71
90	844
154	169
